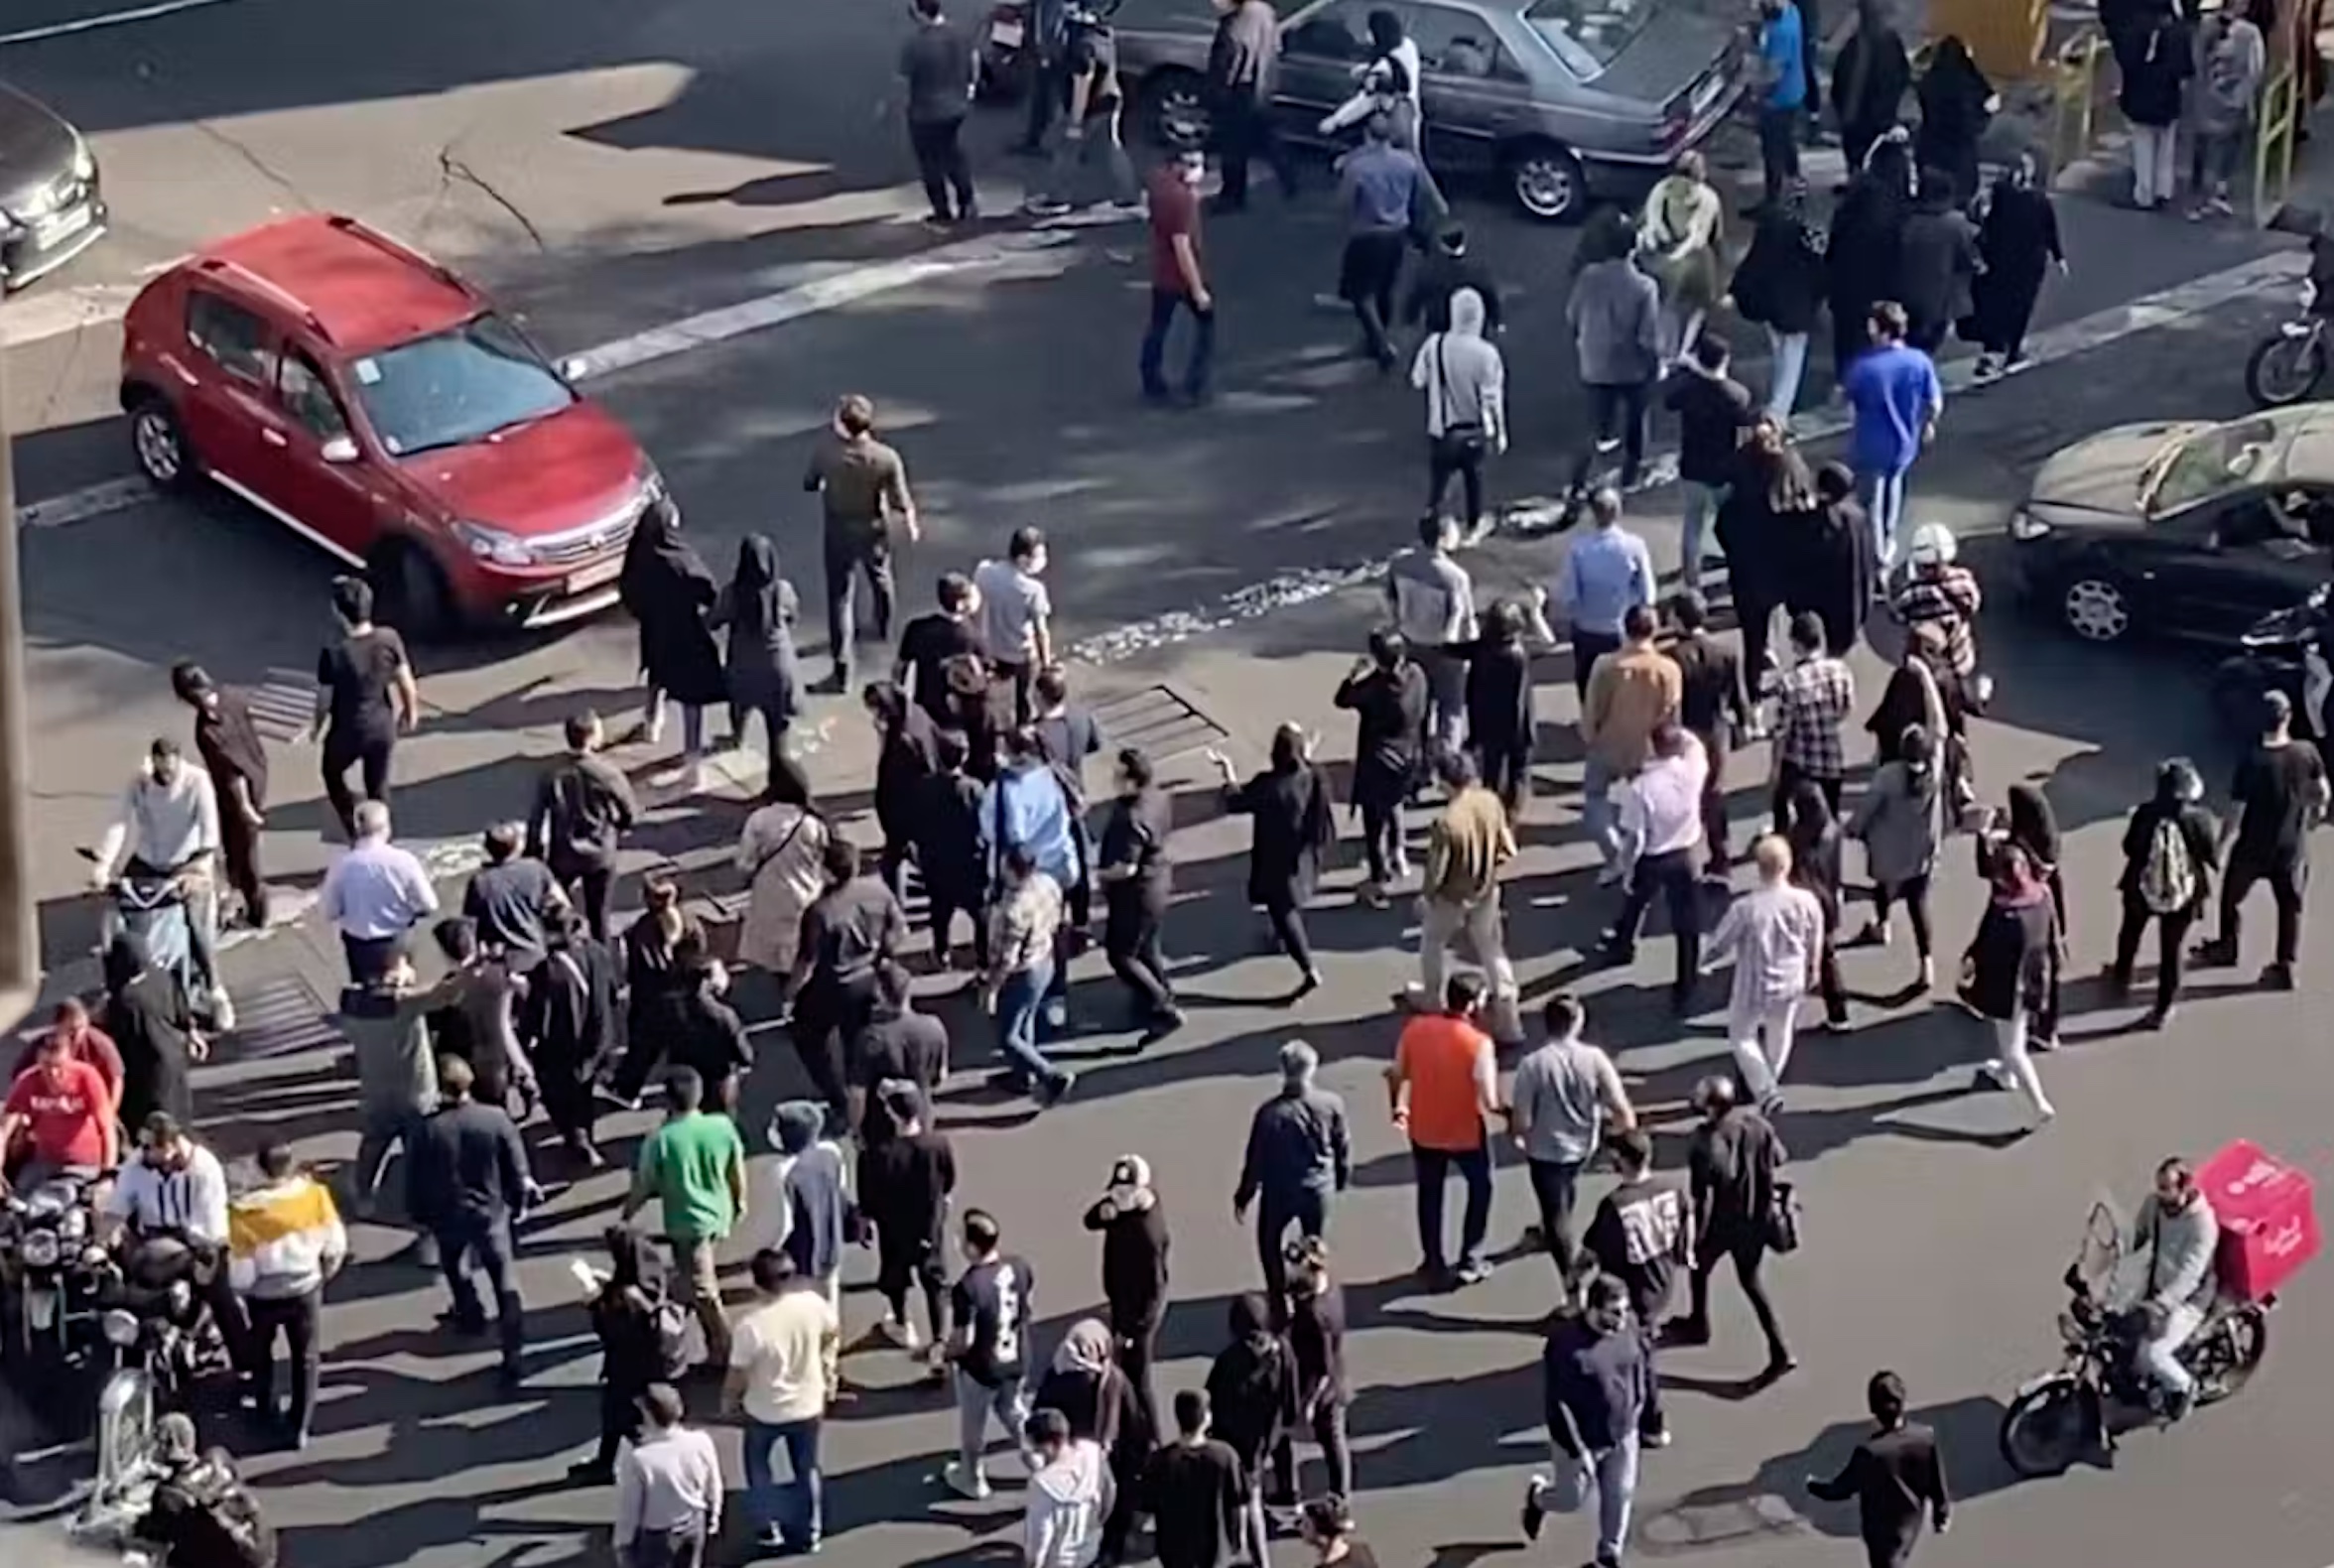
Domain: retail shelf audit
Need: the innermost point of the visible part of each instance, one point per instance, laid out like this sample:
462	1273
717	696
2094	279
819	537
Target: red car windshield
456	387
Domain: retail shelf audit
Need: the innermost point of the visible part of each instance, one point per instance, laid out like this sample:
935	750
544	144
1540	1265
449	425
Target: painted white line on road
90	24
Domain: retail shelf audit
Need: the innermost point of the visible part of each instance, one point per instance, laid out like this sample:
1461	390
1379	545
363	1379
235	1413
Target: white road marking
90	24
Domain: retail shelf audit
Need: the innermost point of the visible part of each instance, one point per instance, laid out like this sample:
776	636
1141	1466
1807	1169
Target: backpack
2167	878
220	1498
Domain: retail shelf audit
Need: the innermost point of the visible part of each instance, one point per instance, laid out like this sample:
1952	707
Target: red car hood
558	473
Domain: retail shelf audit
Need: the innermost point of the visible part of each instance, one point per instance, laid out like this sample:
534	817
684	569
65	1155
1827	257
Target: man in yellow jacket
285	1240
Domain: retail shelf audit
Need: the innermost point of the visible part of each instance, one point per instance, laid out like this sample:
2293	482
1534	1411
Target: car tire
1545	181
158	444
411	591
2095	607
1175	114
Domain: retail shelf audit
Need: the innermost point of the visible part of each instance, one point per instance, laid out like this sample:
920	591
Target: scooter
2287	367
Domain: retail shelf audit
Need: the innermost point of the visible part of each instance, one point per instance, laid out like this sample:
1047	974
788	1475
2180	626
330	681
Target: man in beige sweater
1465	850
1632	692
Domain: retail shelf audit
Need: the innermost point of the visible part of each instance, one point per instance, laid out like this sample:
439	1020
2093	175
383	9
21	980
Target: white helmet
1932	545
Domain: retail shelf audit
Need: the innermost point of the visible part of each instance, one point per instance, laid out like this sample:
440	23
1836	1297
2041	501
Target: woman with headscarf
1956	101
1806	823
1465	381
1252	1395
1830	555
2018	239
150	1022
1937	263
1863	256
781	854
1915	695
653	981
707	1034
1869	81
1386	694
1763	513
2031	827
2010	972
1500	727
1099	1402
758	608
1780	286
568	1020
907	753
1289	805
623	1312
1679	235
668	588
1900	822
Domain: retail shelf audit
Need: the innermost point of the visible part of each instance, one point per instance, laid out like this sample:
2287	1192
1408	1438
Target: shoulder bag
1462	439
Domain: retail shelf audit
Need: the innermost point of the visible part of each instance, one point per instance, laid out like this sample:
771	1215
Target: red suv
371	401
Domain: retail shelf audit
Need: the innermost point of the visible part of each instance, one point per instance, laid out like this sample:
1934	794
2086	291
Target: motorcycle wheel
2232	1355
2284	369
2044	1431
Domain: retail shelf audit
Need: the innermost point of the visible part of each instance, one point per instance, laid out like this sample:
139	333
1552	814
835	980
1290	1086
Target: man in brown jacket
1631	693
1465	850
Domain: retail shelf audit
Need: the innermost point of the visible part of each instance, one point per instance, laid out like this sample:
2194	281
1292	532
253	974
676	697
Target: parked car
1561	101
51	206
378	406
2182	529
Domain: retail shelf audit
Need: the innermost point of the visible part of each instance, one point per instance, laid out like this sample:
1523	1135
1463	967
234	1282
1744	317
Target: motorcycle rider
178	1188
2180	1235
170	828
63	1111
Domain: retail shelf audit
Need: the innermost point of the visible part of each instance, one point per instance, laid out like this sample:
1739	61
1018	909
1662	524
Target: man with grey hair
374	894
1300	1156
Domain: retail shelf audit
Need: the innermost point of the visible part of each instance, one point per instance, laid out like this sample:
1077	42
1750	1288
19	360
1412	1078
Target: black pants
2286	879
945	906
1555	1186
1288	929
1748	1252
1382	837
939	160
296	1317
1618	411
2172	934
1787	777
1018	676
1466	460
848	559
1716	742
240	848
1371	268
1432	1168
1504	762
369	754
1047	99
1137	1334
588	888
1243	131
1587	648
619	1421
1755	615
1914	891
468	1239
1327	1421
370	958
904	1258
1308	1210
1131	940
1677	878
827	1019
1778	149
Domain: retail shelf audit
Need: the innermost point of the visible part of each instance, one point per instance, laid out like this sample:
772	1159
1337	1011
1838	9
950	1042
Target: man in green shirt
694	1166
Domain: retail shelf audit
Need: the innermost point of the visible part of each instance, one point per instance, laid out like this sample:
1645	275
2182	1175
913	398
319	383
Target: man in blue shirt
1381	186
1607	572
1895	397
1782	57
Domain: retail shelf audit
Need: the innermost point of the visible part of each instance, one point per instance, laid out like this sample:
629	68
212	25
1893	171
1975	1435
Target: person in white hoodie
1387	84
1071	1493
285	1242
1466	385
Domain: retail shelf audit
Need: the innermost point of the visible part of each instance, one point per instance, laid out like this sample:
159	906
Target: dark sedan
51	208
1560	101
2182	529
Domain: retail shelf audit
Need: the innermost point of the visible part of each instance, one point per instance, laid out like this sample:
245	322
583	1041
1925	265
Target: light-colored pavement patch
90	24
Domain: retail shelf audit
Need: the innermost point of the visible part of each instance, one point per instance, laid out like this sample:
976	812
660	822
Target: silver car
1561	100
51	208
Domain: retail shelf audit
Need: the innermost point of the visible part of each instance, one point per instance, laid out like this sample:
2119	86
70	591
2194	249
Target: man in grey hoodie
2180	1235
1616	317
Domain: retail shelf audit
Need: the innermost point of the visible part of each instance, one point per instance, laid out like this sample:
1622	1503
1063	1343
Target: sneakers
1473	1273
1536	1507
1989	367
972	1484
901	1334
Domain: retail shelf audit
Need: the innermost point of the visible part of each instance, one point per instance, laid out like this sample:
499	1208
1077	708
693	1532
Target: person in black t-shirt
365	696
949	853
583	806
1641	1234
233	754
1090	130
988	1349
1253	1387
1133	1227
2280	793
1714	415
1194	1489
848	935
1317	1343
899	1045
928	642
1894	1476
512	898
904	1186
1066	733
1136	882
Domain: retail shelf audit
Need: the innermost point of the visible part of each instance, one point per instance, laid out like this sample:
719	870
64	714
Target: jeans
681	1548
1381	839
939	160
1587	648
1446	691
2011	1060
1702	505
2172	934
466	1239
2286	880
369	754
1677	876
1164	304
1882	498
2213	162
652	718
1789	352
1327	1421
1762	1070
976	1402
1610	1475
1618	412
1598	813
1778	149
1131	940
1433	1167
1440	921
2159	1353
791	1509
1020	1007
847	559
297	1318
1078	164
2155	169
1308	1210
1555	1186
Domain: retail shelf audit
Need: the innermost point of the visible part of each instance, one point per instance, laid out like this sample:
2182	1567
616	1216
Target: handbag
1783	1218
1461	441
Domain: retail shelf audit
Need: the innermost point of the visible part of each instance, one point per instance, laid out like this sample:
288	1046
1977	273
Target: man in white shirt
1775	934
667	1488
1661	852
1016	614
374	894
779	1352
178	1188
170	827
1071	1493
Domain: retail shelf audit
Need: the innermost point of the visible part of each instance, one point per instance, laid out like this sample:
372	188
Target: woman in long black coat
1386	694
1829	551
152	1025
1956	101
1869	81
2017	235
908	753
1500	727
1756	523
758	608
1864	256
1780	286
668	588
1290	806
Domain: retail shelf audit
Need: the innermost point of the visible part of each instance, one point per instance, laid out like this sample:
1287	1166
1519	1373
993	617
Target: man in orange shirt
1443	1086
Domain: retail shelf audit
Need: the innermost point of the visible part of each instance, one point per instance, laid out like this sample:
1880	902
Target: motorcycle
156	1325
2286	652
45	1265
2101	1390
2287	366
150	904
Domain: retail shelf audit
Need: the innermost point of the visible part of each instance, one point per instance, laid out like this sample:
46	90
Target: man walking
1714	709
1466	846
2280	793
1596	1381
1895	1476
1734	1162
993	1307
365	697
584	807
514	898
1641	1236
851	933
1195	1490
1433	603
940	66
1564	1095
1782	68
1380	187
285	1242
906	1182
1662	852
863	489
777	1379
1137	886
1177	283
1242	64
470	1186
386	1022
374	894
1631	693
695	1167
1441	1087
1614	311
667	1488
1894	400
1714	414
1775	935
235	757
1605	573
1016	616
1300	1156
1812	700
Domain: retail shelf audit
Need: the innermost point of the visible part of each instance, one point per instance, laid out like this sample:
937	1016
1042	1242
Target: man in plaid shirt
1811	700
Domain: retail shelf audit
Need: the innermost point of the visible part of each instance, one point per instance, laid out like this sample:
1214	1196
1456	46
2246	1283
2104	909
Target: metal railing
20	941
